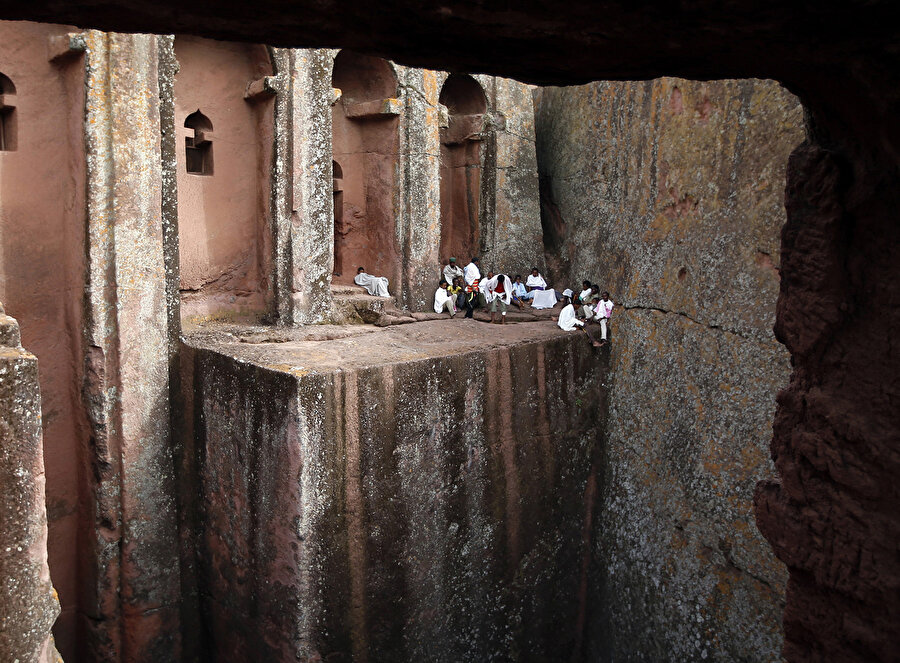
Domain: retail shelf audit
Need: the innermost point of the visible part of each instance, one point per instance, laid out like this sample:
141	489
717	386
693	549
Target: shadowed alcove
461	166
365	143
7	114
223	184
198	156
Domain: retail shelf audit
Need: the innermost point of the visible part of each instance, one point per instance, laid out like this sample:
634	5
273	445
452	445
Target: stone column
512	236
301	187
28	602
132	600
419	195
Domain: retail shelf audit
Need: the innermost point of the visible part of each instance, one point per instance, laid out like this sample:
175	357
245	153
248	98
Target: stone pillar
301	186
28	602
419	195
511	234
132	592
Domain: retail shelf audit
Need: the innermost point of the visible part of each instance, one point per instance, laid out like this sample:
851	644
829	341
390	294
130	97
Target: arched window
462	95
363	78
198	156
461	166
337	174
7	114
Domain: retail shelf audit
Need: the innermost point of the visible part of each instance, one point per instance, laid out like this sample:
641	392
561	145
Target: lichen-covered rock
28	602
669	193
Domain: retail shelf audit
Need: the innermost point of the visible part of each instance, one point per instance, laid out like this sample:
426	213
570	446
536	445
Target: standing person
482	285
568	321
375	285
603	312
443	300
498	291
474	295
471	273
451	270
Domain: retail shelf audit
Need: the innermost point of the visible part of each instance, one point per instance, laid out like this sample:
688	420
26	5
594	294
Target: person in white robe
603	312
474	294
498	293
535	281
584	299
482	285
451	270
443	300
471	273
538	293
568	321
374	285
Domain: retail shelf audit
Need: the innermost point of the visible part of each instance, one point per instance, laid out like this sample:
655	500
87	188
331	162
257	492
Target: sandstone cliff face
669	193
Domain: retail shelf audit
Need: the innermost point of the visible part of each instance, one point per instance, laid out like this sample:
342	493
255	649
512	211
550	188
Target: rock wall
423	503
42	186
511	233
675	207
28	603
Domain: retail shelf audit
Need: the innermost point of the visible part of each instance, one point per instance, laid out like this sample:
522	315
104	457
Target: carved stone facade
149	181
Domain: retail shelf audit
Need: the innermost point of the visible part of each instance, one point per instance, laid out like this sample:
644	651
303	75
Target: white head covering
567	293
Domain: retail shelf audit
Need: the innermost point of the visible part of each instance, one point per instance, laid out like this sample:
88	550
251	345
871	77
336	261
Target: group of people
464	288
593	305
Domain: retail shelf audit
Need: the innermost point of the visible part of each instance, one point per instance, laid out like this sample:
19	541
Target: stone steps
351	304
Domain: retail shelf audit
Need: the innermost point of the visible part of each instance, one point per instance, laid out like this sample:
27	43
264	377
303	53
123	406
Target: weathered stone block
415	500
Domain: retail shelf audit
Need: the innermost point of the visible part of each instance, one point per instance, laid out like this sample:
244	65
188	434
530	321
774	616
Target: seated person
568	321
458	291
519	292
374	285
443	300
451	270
584	300
535	281
456	286
538	292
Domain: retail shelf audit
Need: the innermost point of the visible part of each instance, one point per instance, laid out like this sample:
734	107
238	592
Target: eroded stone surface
398	495
676	210
28	602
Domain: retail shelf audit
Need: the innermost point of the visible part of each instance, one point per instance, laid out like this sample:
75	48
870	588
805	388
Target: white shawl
472	273
536	281
440	297
375	285
567	319
491	284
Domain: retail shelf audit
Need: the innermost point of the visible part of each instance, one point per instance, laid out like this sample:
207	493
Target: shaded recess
223	217
365	143
198	157
461	166
337	176
7	114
